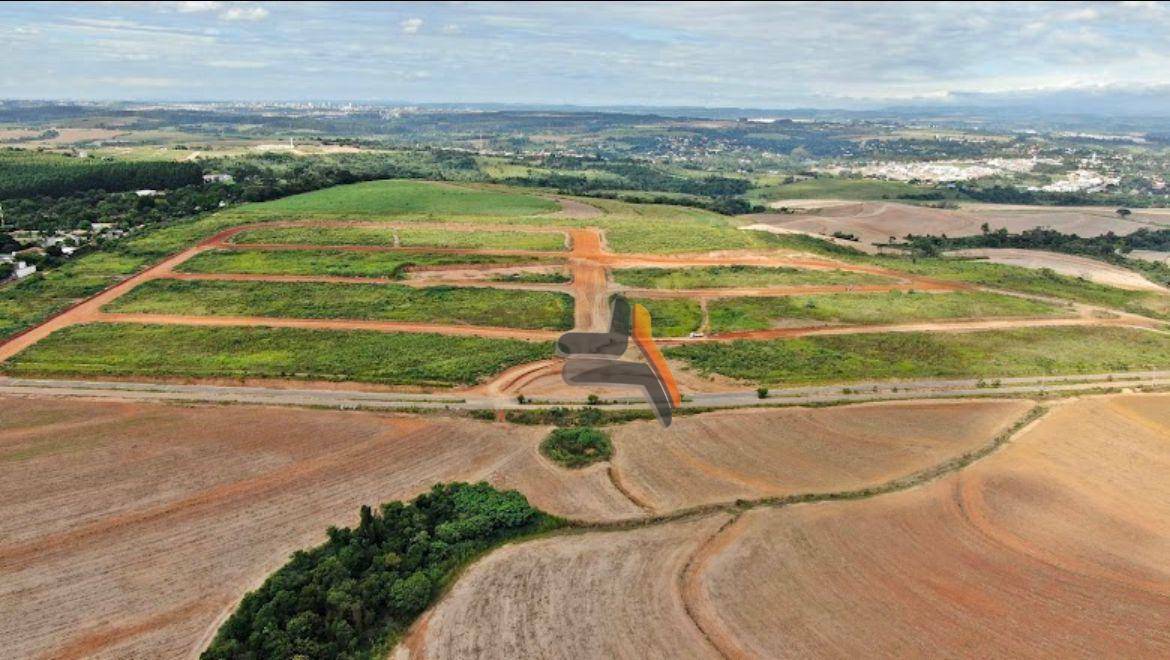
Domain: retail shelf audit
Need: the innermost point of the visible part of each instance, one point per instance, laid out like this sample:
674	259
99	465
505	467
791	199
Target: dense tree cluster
347	597
31	174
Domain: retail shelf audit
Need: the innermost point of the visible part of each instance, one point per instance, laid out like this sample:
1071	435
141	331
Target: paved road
850	392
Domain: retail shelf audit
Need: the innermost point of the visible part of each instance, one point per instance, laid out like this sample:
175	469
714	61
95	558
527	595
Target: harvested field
1065	264
128	530
1055	546
1151	255
876	222
600	595
749	454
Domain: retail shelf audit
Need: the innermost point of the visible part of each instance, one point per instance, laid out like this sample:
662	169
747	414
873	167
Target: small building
146	192
23	270
216	177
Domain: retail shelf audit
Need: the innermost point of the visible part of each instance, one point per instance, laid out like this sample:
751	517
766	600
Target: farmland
1049	546
708	277
255	352
322	300
337	262
990	354
740	314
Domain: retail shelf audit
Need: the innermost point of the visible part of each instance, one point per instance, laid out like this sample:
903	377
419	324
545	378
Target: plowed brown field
749	454
601	595
1056	546
127	530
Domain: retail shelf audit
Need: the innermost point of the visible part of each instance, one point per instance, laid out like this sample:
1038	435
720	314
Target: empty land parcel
323	300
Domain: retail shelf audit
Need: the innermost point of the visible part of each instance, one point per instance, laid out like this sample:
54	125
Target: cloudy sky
718	54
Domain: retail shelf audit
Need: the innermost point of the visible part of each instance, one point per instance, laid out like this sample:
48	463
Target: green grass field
739	314
336	262
407	237
991	354
183	351
1041	282
830	187
381	302
672	317
398	197
706	277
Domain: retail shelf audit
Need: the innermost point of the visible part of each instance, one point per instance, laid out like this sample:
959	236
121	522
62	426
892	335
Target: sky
724	54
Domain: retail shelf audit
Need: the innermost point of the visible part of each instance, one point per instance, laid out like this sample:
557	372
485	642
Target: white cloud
451	28
411	25
196	6
244	14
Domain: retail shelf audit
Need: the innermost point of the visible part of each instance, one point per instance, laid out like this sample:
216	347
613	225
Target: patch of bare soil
127	530
1055	546
749	454
597	595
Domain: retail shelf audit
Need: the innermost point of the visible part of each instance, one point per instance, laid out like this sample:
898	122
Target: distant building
23	270
146	192
217	178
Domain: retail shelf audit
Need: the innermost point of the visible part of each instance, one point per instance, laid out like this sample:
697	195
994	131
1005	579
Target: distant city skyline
689	54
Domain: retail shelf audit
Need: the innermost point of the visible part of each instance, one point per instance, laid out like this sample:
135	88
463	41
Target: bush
577	447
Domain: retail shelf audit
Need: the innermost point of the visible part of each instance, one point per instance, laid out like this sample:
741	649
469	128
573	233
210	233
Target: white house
146	192
217	178
24	270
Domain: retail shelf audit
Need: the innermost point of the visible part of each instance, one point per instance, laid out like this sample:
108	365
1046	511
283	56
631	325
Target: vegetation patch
355	594
403	237
1042	282
398	197
576	447
342	263
739	314
672	317
1006	353
706	277
328	300
555	277
116	349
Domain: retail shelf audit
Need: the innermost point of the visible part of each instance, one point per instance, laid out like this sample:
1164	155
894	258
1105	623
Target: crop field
165	515
375	198
343	263
750	454
672	317
839	188
403	237
993	353
709	277
255	352
531	599
325	300
1052	546
741	314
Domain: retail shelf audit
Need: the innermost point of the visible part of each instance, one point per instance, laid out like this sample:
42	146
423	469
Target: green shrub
577	447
